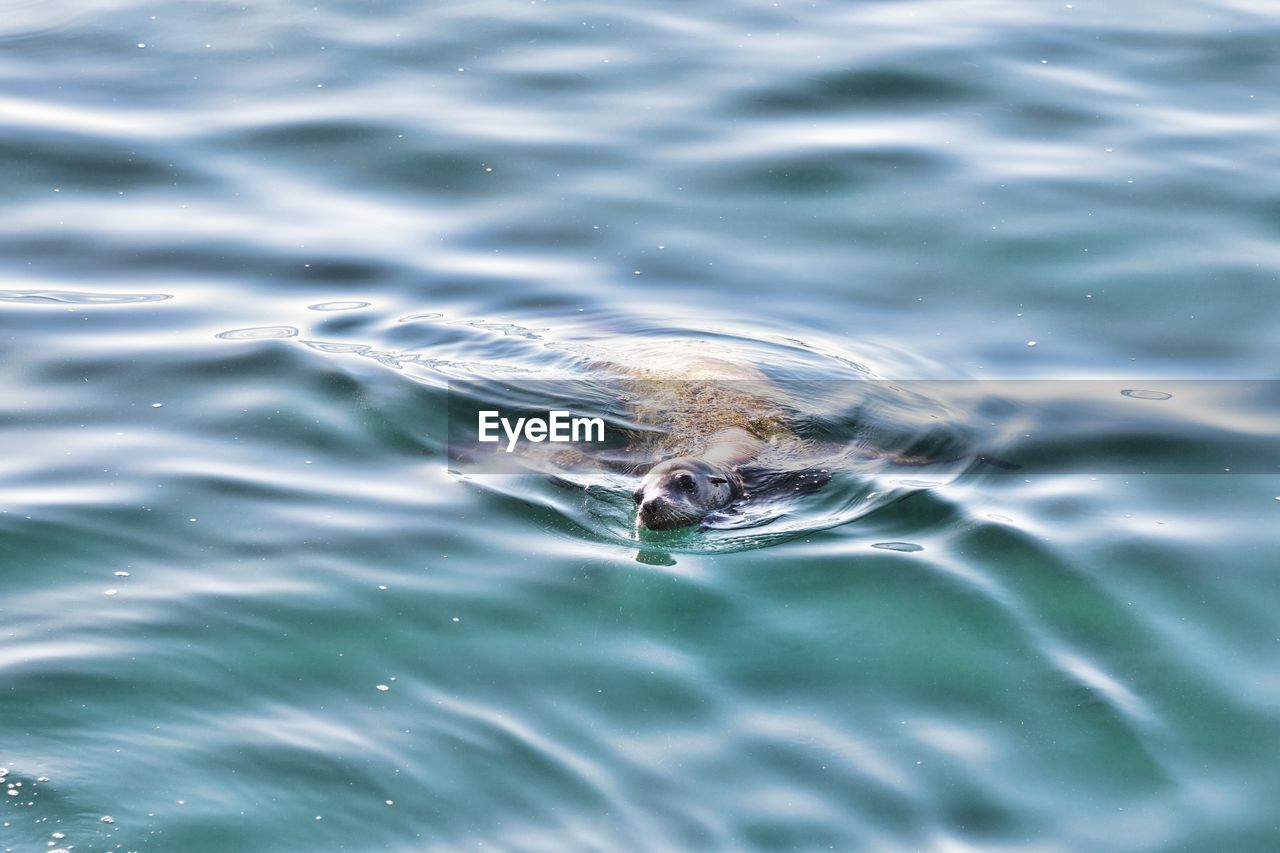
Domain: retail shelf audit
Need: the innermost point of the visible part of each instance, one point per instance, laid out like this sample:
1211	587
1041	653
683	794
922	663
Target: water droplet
906	547
1031	343
111	592
257	332
382	687
1138	394
156	405
106	818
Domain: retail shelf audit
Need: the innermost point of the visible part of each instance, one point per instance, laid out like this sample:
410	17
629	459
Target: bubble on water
1139	394
258	332
338	306
111	592
382	687
1031	343
906	547
106	818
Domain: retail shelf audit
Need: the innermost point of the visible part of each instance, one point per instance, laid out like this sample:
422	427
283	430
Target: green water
246	606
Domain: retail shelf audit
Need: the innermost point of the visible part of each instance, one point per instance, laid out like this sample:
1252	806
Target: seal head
680	492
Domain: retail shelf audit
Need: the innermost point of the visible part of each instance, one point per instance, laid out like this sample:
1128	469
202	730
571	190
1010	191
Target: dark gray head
679	492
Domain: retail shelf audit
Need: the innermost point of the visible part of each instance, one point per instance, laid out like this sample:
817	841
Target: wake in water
836	441
831	442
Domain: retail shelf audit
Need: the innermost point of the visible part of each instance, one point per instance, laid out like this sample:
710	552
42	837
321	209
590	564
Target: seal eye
687	484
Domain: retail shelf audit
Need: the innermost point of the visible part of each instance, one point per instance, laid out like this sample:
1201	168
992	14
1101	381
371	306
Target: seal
707	439
705	434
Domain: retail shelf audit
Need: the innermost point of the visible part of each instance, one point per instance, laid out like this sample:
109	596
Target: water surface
245	606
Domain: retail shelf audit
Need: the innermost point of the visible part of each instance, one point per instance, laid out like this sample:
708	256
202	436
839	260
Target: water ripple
254	333
73	297
906	547
338	306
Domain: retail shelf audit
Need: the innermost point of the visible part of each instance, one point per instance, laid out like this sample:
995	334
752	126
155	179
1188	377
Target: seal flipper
758	482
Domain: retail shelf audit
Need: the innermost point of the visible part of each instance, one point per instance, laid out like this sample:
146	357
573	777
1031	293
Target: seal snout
657	513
